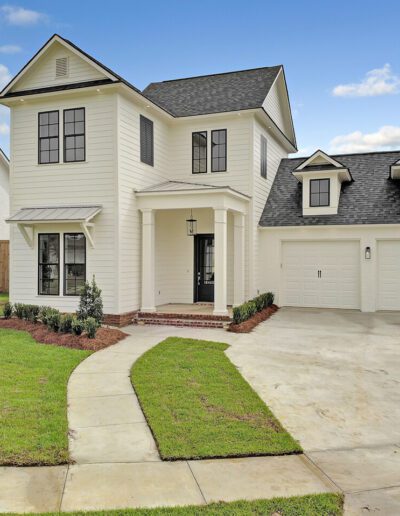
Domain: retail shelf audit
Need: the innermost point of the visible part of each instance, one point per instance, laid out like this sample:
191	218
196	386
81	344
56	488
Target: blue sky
342	59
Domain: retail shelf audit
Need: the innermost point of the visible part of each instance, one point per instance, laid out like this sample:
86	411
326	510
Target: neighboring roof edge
4	157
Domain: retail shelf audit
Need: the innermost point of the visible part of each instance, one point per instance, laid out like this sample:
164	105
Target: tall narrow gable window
146	141
49	264
199	152
74	263
218	150
263	157
49	137
319	192
74	135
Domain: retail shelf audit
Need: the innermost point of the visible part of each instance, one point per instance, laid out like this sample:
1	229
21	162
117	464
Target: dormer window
319	192
321	177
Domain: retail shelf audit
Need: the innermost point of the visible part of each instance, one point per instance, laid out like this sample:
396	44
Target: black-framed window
74	135
218	150
49	264
74	263
263	157
49	140
146	141
319	192
199	152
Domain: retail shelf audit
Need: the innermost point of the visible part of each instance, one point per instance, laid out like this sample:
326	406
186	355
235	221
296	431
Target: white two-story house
183	194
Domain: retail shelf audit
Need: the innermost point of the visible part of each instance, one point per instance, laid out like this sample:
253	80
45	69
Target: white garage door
388	275
322	274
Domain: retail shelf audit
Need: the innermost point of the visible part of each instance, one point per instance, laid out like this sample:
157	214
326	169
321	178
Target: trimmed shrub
77	326
54	320
270	298
66	323
91	303
243	312
19	310
31	313
8	310
44	312
91	326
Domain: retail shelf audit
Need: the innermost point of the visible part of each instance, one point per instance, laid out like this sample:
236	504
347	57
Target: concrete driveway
332	377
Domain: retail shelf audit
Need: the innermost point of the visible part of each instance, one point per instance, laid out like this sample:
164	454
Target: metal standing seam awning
28	217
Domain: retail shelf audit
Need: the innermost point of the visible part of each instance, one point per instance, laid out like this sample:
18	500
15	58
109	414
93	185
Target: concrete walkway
117	464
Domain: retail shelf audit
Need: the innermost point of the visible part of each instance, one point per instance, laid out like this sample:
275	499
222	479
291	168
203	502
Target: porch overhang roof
180	195
81	214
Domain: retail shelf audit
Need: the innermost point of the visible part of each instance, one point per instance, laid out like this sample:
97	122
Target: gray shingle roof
232	91
372	198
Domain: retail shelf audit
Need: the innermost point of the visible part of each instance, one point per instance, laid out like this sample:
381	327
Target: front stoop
182	319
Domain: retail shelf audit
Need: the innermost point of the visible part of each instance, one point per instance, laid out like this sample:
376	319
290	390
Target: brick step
195	316
192	323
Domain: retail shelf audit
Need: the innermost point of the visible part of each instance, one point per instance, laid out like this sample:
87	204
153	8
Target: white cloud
5	76
386	138
9	49
4	128
381	81
15	15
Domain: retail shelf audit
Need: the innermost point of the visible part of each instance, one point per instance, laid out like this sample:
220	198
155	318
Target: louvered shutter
146	141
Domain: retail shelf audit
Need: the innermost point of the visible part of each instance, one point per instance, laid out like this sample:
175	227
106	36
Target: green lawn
312	505
33	399
3	301
198	405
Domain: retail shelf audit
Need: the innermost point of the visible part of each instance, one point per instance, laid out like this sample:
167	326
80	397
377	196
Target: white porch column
148	261
220	261
238	259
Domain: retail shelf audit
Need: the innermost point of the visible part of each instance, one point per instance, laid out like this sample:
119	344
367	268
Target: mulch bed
250	324
104	337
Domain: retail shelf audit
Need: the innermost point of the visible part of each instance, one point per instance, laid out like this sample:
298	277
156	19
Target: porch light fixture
191	225
367	253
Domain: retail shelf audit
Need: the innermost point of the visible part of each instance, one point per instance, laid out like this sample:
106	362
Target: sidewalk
117	464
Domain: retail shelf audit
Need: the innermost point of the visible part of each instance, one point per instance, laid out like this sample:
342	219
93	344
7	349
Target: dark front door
204	268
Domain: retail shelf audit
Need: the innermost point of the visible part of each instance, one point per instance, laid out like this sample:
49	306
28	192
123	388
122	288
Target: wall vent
62	67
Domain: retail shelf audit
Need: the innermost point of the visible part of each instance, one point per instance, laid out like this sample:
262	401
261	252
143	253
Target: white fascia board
326	226
342	174
395	171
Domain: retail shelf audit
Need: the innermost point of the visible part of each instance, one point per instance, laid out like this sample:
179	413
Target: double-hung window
74	135
199	152
146	141
49	141
74	263
263	157
319	192
49	264
218	150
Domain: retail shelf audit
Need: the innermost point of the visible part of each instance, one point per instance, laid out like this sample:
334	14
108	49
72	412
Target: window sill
62	163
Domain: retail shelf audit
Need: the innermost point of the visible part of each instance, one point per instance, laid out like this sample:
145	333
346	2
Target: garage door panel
388	275
339	283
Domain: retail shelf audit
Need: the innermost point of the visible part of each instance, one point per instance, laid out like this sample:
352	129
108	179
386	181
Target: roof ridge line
214	74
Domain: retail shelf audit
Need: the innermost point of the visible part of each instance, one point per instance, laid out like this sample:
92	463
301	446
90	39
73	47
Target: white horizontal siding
261	190
43	73
90	182
135	175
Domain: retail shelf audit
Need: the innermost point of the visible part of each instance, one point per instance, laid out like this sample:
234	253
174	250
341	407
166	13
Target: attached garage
323	274
388	263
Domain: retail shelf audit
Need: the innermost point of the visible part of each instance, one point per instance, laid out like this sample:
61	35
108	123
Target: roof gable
40	71
219	93
277	106
319	159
